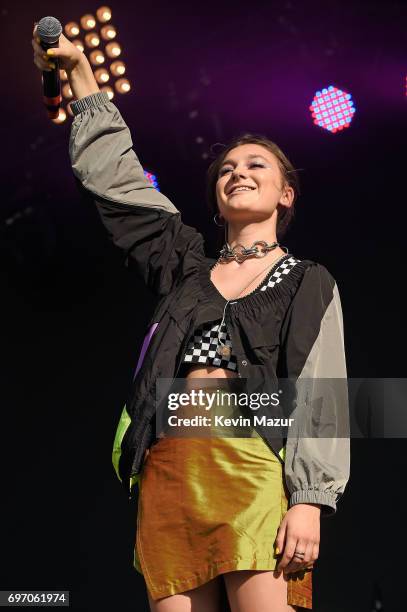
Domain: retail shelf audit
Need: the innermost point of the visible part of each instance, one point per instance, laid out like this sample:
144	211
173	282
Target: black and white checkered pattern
202	347
203	344
278	274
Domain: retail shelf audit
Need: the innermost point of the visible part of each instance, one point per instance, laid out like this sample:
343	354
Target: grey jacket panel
317	453
102	157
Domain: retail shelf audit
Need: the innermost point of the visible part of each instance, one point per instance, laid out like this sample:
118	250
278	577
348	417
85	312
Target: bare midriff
199	371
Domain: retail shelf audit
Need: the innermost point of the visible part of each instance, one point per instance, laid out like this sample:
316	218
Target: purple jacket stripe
144	348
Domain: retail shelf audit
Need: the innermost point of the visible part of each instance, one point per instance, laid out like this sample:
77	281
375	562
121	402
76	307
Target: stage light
108	32
108	90
79	44
104	14
122	85
152	178
117	68
98	43
102	75
332	109
72	29
61	116
92	39
67	91
88	22
97	57
113	49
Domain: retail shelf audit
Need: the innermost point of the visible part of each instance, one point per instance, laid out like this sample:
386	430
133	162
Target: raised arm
139	219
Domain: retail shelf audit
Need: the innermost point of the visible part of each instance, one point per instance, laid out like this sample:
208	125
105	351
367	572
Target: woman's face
255	170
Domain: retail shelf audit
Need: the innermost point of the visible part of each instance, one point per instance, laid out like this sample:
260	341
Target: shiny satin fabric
208	506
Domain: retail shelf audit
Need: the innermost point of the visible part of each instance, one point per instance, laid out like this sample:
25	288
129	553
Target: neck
247	233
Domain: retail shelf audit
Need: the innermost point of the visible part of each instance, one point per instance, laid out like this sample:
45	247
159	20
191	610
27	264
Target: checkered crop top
206	341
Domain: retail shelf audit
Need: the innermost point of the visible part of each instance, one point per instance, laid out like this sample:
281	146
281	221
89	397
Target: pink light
332	109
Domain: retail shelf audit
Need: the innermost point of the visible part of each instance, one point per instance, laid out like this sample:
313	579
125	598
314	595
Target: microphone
49	30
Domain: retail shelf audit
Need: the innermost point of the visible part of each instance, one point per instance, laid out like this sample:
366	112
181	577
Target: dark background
73	317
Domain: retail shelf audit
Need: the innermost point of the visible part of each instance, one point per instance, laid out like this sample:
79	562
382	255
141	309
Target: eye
259	165
223	171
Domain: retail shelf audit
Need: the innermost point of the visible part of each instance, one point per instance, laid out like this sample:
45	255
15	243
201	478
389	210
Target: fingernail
277	551
50	51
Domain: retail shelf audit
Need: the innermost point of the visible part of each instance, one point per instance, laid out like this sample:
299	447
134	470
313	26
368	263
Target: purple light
152	178
332	109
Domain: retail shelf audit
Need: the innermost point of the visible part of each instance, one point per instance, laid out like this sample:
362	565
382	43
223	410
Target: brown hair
288	172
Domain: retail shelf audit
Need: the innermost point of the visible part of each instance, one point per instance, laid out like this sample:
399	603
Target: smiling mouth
236	191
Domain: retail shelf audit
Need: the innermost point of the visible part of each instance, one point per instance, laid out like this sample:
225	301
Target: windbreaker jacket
292	330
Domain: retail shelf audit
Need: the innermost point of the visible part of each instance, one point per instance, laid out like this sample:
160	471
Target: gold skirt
208	506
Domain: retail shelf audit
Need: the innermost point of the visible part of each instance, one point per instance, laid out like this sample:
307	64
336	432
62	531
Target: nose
237	173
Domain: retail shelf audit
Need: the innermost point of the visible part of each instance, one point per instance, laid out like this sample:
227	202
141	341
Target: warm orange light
97	57
78	44
92	39
88	22
62	75
108	32
117	68
104	14
66	91
108	90
102	75
122	85
61	116
113	49
72	29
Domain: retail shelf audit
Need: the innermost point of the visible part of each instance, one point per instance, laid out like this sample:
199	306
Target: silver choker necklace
260	248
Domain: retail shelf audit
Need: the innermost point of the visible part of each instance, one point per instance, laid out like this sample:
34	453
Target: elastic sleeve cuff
313	496
92	101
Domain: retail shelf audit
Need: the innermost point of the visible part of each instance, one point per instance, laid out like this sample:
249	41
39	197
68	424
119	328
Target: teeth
242	189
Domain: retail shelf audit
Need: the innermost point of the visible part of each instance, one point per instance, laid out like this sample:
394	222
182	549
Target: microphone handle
51	85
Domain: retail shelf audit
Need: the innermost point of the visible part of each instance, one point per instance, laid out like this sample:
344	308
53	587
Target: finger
297	563
42	65
43	57
36	46
315	552
308	555
279	541
294	565
289	550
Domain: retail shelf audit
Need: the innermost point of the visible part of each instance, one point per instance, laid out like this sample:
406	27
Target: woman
243	510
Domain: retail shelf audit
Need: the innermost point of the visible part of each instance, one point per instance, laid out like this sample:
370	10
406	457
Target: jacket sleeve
139	219
317	450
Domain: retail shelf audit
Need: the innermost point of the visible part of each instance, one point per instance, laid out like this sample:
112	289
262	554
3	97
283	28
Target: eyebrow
250	156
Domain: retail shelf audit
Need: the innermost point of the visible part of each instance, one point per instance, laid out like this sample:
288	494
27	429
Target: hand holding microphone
47	34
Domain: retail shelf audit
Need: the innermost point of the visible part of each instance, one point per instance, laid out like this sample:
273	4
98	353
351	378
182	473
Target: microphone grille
49	30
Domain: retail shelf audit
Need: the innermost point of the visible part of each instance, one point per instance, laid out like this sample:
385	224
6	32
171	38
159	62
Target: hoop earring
216	223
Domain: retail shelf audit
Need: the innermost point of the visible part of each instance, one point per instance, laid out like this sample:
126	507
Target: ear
287	197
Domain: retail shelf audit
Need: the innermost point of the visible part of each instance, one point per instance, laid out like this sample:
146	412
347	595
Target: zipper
231	339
